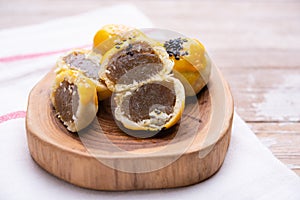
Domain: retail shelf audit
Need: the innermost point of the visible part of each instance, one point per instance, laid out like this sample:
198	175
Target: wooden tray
104	158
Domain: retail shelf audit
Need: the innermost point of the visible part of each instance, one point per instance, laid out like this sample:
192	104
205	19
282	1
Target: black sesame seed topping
119	43
129	47
128	50
118	47
174	47
185	53
130	53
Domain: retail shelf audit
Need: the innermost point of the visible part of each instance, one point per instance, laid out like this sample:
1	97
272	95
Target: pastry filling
66	101
79	61
153	100
139	56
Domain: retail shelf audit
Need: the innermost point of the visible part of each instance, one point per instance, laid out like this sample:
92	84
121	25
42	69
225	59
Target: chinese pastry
152	106
191	63
74	97
132	62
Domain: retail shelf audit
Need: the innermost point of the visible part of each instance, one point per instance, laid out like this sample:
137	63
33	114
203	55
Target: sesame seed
174	47
129	47
130	53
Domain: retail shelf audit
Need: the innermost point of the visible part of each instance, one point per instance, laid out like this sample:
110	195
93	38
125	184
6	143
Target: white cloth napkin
250	171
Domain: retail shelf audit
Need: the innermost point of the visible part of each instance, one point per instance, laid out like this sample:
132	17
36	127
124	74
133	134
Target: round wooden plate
102	157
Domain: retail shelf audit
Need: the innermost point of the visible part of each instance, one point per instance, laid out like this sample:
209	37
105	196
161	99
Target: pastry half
74	97
153	106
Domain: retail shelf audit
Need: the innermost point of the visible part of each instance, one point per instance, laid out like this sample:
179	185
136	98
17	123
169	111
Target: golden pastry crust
74	97
109	31
191	63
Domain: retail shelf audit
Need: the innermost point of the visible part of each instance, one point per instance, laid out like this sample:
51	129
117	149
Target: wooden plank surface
255	43
121	165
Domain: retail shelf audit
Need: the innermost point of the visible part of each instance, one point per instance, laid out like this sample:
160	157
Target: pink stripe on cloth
36	55
12	115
